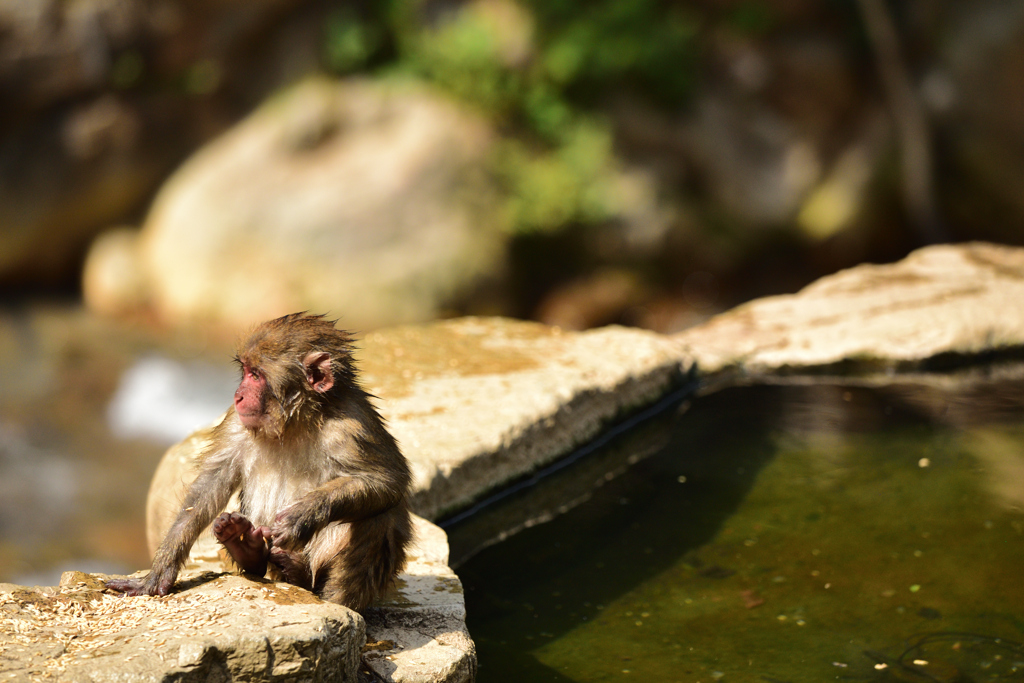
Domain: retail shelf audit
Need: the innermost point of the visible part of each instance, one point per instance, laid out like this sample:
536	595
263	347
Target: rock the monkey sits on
323	487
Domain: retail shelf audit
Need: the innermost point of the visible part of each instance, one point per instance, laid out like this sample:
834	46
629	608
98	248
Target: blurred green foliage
350	40
752	18
588	48
462	54
127	69
539	69
553	188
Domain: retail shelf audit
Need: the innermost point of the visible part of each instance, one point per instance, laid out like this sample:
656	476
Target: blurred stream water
87	407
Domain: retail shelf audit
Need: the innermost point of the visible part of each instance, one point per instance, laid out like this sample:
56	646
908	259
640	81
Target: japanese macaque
323	487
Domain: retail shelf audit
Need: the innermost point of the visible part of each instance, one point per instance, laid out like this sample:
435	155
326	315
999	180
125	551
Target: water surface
800	533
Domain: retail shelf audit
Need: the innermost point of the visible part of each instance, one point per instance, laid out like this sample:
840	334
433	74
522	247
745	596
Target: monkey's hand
292	528
293	567
155	583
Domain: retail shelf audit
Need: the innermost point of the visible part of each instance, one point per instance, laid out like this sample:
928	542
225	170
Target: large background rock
366	199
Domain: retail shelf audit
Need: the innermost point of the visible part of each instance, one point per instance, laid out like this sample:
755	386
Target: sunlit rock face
225	627
366	199
949	299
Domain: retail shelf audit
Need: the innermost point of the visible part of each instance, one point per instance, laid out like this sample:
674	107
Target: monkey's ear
318	371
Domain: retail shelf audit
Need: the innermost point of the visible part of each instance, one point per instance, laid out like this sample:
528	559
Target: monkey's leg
244	542
366	565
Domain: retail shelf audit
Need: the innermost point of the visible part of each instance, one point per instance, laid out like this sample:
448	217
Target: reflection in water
799	533
1001	458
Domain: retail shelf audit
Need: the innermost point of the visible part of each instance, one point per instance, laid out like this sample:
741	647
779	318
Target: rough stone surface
221	627
961	299
418	634
368	199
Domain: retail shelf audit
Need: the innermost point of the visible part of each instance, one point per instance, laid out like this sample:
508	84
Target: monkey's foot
147	586
292	566
244	542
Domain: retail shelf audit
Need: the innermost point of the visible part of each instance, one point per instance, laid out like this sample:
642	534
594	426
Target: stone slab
946	299
419	635
218	627
478	402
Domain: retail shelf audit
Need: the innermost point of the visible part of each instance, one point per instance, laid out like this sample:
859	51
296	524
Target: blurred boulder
363	199
113	282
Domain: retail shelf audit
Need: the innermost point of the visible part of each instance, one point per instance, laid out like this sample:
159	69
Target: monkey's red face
250	397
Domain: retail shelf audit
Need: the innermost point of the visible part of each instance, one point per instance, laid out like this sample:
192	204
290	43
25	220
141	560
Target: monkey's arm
368	475
345	499
206	497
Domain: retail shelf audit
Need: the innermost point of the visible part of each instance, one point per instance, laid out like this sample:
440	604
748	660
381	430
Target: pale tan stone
960	299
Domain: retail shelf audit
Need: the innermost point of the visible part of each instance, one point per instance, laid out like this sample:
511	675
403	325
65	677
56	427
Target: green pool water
796	533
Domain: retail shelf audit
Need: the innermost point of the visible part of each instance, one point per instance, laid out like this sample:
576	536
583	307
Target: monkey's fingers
134	587
283	539
127	586
282	515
